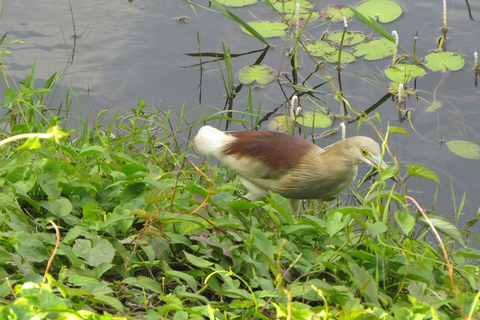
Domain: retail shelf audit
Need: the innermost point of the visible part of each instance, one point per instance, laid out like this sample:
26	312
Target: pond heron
290	166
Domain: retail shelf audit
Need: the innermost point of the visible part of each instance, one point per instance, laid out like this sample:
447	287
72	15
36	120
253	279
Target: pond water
129	49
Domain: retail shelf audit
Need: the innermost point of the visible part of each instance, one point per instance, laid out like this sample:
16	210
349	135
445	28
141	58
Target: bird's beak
375	161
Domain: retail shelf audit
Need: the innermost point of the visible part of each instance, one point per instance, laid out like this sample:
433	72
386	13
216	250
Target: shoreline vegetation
126	220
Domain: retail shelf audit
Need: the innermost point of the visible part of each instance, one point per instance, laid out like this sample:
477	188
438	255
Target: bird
293	167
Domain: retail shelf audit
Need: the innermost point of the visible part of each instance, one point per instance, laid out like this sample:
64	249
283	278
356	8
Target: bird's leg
296	206
255	193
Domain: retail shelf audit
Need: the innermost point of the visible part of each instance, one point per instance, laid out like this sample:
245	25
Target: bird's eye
364	151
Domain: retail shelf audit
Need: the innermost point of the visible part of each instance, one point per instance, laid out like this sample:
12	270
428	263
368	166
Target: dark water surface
136	49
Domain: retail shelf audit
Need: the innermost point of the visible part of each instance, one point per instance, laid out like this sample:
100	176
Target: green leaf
405	221
262	74
375	49
144	283
346	57
289	6
383	10
197	261
365	283
59	207
395	129
336	13
350	38
447	228
320	48
29	247
313	119
267	29
404	72
423	172
9	96
48	175
376	228
260	241
95	251
236	3
465	149
336	221
441	61
372	23
183	276
92	150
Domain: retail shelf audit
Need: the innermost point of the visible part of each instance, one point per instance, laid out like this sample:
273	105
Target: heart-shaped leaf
375	49
383	10
404	72
441	61
262	74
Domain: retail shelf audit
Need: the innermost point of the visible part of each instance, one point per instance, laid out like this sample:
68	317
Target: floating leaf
278	123
303	18
423	172
383	10
350	39
336	13
236	3
441	61
314	119
320	48
465	149
262	74
289	6
347	57
404	72
268	29
434	105
375	49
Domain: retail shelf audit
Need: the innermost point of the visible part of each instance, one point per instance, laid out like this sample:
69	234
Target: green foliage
142	228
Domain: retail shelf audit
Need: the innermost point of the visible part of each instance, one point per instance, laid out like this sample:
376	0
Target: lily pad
404	72
236	3
268	29
303	18
336	13
375	49
441	61
278	123
350	39
262	74
289	6
320	48
347	57
383	10
465	149
314	119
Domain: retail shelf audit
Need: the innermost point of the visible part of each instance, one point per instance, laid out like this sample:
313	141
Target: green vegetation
125	220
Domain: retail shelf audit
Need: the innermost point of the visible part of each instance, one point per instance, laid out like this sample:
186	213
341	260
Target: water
126	50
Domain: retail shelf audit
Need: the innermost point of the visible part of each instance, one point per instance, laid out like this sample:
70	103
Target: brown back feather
278	151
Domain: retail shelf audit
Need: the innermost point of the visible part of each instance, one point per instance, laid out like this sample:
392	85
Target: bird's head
362	149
